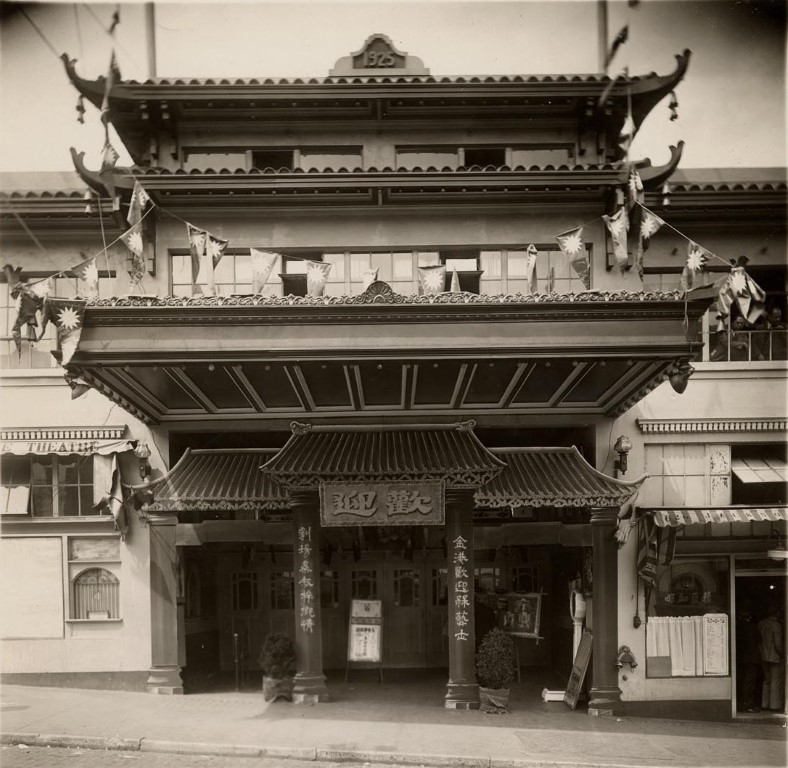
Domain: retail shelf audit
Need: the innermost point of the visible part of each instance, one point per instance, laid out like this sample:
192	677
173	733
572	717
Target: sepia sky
731	104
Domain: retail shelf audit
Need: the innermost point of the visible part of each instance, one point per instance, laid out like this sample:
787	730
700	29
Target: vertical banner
306	580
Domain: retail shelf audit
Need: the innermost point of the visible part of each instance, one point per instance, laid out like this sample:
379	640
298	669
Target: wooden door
280	600
404	615
333	617
437	617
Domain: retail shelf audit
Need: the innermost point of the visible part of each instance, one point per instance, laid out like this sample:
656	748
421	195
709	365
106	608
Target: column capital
161	518
459	497
604	516
304	497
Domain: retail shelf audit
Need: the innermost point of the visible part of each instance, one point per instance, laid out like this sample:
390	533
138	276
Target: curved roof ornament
649	90
653	176
92	90
96	180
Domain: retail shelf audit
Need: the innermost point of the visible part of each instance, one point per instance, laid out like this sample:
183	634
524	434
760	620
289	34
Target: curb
294	753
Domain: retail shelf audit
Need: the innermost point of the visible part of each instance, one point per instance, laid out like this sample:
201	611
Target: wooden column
462	691
309	686
164	675
605	695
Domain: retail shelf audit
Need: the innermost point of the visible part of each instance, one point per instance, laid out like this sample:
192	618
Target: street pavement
367	722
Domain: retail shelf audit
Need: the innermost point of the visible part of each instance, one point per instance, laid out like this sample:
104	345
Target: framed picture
523	613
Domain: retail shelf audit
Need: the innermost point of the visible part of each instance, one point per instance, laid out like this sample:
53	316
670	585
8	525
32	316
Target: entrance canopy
381	357
673	518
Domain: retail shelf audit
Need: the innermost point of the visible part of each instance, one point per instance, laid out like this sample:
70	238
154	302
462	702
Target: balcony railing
746	345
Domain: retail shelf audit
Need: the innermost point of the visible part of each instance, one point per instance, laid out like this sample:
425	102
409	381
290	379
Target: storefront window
62	486
687	633
364	585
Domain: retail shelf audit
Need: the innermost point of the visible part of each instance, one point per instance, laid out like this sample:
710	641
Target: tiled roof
451	453
551	477
218	481
728	180
156	171
44	184
386	80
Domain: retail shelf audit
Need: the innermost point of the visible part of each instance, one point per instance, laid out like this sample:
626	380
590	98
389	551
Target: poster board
715	644
523	614
579	669
365	633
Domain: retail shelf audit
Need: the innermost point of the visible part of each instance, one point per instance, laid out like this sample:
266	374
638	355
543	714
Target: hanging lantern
81	110
673	106
665	195
88	199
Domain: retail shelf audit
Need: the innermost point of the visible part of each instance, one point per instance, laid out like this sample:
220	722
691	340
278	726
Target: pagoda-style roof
218	483
272	187
552	477
136	108
449	453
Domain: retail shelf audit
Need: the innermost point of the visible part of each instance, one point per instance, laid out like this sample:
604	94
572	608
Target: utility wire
40	33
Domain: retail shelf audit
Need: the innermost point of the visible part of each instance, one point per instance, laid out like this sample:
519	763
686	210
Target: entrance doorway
760	588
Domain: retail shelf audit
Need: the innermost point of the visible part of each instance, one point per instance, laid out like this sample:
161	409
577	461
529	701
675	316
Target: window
406	589
61	486
541	156
215	161
273	158
676	641
233	274
244	586
95	595
487	578
332	158
687	475
14	485
466	263
282	590
427	157
484	156
364	585
525	578
759	474
554	274
329	589
440	586
37	354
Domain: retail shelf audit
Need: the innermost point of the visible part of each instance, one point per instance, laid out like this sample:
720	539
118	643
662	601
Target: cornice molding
685	426
63	433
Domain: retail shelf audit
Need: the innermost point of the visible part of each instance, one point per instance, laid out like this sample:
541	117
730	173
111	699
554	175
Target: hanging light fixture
680	377
142	453
622	447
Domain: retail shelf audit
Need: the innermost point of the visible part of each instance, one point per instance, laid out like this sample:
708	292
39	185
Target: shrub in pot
276	658
495	662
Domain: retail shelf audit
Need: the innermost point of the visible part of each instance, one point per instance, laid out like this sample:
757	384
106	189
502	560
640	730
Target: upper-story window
277	158
483	156
38	354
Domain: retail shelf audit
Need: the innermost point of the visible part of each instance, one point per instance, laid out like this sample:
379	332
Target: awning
398	454
760	470
672	518
65	441
218	481
552	477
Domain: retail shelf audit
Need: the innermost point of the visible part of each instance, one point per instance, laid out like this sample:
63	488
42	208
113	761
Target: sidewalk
367	722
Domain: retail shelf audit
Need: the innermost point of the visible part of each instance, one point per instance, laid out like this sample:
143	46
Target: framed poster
365	631
523	614
579	669
715	644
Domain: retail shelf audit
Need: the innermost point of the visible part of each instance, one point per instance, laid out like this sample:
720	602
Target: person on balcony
777	337
740	340
721	338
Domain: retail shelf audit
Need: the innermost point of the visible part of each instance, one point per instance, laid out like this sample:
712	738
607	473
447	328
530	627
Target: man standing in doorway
771	645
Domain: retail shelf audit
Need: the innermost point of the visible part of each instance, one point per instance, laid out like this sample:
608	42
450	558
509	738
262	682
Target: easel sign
579	669
365	634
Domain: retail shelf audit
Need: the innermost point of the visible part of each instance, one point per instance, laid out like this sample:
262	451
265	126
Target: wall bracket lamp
622	447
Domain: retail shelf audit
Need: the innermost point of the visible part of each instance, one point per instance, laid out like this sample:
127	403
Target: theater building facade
431	450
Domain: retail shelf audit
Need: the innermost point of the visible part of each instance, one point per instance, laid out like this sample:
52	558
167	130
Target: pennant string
104	243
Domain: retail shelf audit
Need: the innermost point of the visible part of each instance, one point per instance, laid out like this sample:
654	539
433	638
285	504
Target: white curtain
681	639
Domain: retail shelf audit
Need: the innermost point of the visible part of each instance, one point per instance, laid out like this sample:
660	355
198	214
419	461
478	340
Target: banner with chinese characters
343	504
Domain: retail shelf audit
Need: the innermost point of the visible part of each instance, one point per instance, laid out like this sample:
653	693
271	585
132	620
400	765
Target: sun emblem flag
571	244
68	315
87	278
316	277
618	226
432	279
696	260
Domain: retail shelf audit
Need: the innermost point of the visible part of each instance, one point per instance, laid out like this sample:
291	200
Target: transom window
95	595
244	589
364	585
406	589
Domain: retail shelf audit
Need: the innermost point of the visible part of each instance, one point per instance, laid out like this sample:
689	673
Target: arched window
96	595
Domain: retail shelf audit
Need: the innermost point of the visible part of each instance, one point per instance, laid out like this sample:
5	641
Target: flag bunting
68	315
572	246
740	289
432	280
263	263
316	277
618	225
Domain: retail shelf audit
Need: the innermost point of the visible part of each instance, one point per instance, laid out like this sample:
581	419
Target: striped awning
218	481
451	453
672	518
552	477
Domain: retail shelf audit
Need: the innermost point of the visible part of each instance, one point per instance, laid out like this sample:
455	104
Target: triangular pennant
197	239
214	250
113	76
627	133
696	260
139	201
68	316
571	244
530	268
109	157
455	282
87	278
30	300
432	280
551	280
740	289
618	226
369	276
316	277
263	263
42	288
635	192
132	238
650	224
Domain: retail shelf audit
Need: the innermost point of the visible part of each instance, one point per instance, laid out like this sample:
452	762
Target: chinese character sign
461	610
306	579
382	504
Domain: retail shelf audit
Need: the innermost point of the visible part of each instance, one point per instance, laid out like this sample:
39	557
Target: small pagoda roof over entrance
451	453
552	477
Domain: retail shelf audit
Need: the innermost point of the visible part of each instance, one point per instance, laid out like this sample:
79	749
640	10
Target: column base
166	680
309	689
461	696
604	701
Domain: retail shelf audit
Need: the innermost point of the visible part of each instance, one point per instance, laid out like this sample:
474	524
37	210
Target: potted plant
276	658
495	662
